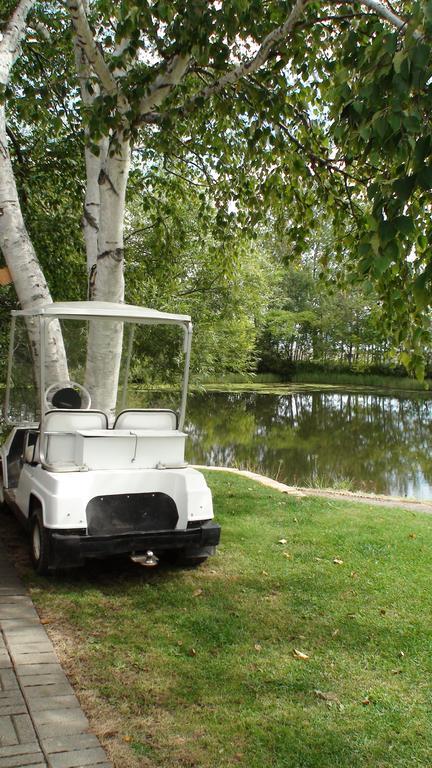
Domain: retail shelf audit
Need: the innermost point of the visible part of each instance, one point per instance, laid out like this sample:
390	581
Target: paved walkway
41	722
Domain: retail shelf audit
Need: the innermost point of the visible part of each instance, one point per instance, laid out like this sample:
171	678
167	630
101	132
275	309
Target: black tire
40	544
189	561
191	557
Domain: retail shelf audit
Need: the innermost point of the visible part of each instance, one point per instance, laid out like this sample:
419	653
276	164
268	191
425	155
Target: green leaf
387	231
424	177
405	225
421	293
395	121
419	370
404	187
419	55
422	149
381	264
398	60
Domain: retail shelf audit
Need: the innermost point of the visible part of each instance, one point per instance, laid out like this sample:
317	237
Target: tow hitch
148	559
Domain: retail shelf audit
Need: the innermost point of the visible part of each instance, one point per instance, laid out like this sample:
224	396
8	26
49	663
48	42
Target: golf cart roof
86	309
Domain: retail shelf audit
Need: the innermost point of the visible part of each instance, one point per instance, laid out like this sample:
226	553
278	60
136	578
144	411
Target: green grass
199	666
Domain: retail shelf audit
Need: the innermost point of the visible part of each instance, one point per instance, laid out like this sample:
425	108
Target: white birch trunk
21	259
93	164
15	243
105	338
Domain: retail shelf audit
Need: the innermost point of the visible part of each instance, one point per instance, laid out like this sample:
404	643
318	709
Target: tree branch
385	13
164	83
85	40
250	66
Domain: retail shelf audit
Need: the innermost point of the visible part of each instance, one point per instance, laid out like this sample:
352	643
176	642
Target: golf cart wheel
191	561
40	544
191	557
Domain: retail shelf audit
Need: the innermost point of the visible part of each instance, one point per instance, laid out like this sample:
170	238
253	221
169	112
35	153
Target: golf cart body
88	483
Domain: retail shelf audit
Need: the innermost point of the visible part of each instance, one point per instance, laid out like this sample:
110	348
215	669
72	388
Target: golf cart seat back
60	428
141	418
62	421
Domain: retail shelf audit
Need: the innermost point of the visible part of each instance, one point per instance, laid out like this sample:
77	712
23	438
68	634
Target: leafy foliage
338	113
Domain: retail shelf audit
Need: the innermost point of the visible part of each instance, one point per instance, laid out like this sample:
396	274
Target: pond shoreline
409	504
290	387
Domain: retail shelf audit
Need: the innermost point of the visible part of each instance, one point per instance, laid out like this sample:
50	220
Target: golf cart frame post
96	310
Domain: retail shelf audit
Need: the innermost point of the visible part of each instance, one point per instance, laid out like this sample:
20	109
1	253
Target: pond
356	441
373	442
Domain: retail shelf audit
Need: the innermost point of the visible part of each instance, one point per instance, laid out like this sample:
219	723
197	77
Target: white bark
105	339
107	176
93	164
85	40
164	83
385	13
12	35
15	243
21	259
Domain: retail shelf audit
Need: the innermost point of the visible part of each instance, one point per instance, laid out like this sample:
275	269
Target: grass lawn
199	668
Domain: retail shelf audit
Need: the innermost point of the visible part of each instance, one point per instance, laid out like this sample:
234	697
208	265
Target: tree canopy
266	109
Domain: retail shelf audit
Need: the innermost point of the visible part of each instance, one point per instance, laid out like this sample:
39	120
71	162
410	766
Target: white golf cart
91	484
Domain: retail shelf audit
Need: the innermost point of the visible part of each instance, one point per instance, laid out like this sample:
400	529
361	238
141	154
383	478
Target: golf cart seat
142	418
60	429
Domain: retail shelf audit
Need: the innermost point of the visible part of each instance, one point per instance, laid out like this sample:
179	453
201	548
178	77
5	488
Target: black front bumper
69	549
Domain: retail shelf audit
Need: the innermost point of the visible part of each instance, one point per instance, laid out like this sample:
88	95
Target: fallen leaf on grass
335	632
300	655
329	697
127	738
258	647
264	573
46	621
337	561
197	593
287	555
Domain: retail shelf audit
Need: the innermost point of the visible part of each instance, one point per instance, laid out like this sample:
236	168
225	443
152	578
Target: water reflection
359	441
366	442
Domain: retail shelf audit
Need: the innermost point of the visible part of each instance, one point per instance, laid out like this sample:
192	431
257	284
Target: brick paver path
41	722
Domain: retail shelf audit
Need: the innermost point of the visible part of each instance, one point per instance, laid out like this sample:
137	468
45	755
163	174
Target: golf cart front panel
64	500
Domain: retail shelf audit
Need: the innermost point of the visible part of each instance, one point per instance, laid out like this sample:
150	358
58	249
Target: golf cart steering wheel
67	395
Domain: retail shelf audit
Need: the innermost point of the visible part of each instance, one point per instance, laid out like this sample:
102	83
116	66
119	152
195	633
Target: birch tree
15	242
238	90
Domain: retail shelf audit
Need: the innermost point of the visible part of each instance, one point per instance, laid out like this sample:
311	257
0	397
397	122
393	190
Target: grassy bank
305	642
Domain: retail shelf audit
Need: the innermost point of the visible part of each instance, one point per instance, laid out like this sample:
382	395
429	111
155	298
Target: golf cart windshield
87	351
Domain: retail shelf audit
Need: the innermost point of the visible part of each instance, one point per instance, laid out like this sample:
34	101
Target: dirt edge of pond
412	505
